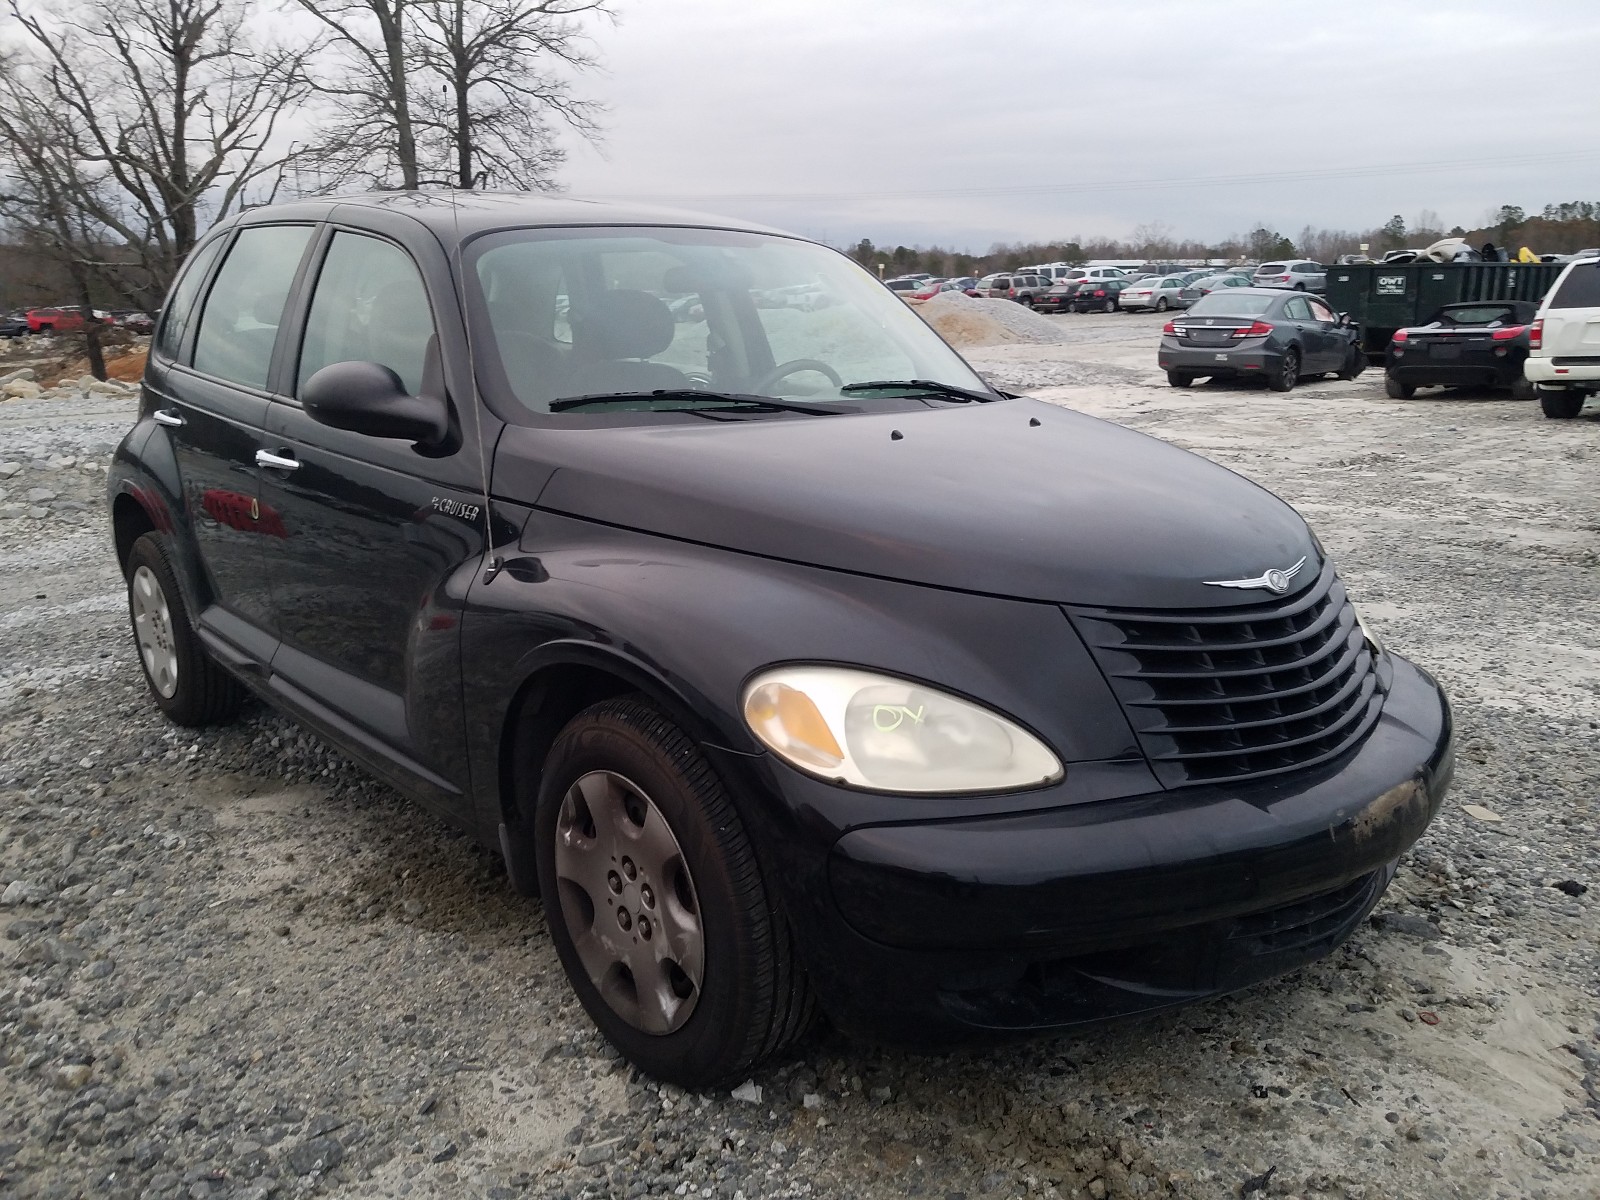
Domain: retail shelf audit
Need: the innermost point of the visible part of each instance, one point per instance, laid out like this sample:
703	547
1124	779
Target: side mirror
367	397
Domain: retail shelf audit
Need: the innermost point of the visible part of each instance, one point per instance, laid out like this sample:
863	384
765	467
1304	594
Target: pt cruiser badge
1273	580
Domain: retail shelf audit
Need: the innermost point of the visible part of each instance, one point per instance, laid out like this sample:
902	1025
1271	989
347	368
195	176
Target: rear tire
1109	306
1288	372
185	682
1161	304
1026	302
1396	390
724	987
1560	404
1521	389
1180	379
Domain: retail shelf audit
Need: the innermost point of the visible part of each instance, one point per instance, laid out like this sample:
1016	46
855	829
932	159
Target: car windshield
1231	304
598	312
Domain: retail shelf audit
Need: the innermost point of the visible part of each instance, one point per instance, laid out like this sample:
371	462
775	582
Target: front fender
689	624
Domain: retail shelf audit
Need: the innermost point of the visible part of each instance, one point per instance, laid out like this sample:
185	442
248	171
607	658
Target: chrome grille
1244	691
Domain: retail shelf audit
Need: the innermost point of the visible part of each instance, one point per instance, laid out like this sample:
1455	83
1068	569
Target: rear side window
181	304
1307	268
1580	289
369	306
240	322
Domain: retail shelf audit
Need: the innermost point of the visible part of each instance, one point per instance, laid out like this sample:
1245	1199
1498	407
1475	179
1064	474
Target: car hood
1017	498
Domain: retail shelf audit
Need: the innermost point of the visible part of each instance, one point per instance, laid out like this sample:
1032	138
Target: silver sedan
1159	294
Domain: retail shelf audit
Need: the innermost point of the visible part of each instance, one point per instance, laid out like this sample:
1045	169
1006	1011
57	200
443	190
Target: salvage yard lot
231	965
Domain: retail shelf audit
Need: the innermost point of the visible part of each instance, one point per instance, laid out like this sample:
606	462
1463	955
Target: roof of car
449	213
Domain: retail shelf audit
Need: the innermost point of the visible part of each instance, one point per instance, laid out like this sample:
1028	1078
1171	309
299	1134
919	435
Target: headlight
886	734
1366	630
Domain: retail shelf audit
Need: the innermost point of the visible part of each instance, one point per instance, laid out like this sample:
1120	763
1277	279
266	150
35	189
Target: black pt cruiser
789	664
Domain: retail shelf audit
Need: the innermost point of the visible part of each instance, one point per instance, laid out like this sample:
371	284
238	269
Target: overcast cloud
847	118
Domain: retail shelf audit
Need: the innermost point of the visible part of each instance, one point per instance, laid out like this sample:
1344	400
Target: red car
66	319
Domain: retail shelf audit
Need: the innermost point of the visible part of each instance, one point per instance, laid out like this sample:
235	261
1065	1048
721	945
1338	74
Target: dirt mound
963	325
122	362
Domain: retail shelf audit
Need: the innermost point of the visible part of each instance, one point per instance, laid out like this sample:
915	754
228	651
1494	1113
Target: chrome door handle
168	416
281	462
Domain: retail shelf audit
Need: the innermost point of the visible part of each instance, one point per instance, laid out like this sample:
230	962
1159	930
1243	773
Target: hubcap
629	902
152	626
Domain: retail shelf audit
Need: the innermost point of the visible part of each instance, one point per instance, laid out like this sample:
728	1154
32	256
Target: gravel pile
1019	324
234	966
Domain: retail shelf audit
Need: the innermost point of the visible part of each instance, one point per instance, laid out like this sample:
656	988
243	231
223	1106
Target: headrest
622	324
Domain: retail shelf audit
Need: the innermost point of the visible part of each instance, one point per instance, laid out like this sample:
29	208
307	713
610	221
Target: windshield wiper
947	390
741	398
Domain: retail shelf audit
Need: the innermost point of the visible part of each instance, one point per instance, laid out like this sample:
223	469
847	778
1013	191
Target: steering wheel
793	367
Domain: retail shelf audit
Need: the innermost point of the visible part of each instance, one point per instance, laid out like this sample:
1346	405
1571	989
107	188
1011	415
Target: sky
968	122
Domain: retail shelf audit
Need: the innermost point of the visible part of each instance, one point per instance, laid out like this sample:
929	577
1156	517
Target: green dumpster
1384	297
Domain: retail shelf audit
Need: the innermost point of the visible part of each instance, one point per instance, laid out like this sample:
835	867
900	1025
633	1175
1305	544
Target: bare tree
371	135
138	122
451	92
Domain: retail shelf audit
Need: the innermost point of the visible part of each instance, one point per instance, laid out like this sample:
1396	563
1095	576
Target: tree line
128	127
1556	229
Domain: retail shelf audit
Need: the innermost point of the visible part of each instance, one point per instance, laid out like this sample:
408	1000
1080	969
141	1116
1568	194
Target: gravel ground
233	966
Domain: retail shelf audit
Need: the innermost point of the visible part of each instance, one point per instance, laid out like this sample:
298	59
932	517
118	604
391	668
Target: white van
1564	341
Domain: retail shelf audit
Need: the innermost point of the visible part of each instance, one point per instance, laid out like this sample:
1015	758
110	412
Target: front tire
1288	372
1560	404
656	904
185	682
1396	390
1355	362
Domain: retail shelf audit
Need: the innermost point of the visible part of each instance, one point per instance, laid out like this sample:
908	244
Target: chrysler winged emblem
1276	580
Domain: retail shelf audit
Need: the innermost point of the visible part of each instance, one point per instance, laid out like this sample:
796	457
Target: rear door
374	531
1316	353
212	359
1572	317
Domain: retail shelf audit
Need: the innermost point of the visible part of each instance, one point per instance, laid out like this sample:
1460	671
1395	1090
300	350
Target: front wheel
1355	362
1288	372
185	682
656	904
1396	390
1560	404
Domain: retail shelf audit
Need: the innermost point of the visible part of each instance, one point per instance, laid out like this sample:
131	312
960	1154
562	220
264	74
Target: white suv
1564	341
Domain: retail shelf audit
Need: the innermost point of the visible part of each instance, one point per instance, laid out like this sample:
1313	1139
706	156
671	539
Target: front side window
600	313
1322	312
239	325
369	306
180	307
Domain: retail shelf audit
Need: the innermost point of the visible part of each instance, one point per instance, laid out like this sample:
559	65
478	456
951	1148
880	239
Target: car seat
613	334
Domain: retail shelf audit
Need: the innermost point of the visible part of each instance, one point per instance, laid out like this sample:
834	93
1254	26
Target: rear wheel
1521	389
656	904
1026	302
1161	304
1396	390
1560	403
1180	378
185	682
1109	306
1288	372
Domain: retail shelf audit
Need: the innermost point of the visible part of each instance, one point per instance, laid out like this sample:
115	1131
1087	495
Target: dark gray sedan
1260	332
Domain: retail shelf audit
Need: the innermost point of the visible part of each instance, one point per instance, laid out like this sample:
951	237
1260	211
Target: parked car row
69	318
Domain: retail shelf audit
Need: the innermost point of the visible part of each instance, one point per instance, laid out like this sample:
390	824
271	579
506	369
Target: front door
378	537
211	401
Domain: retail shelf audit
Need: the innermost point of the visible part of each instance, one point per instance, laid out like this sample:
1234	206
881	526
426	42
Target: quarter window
180	308
369	306
239	325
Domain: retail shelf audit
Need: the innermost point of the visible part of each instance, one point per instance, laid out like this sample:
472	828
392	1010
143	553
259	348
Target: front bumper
1223	360
936	931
